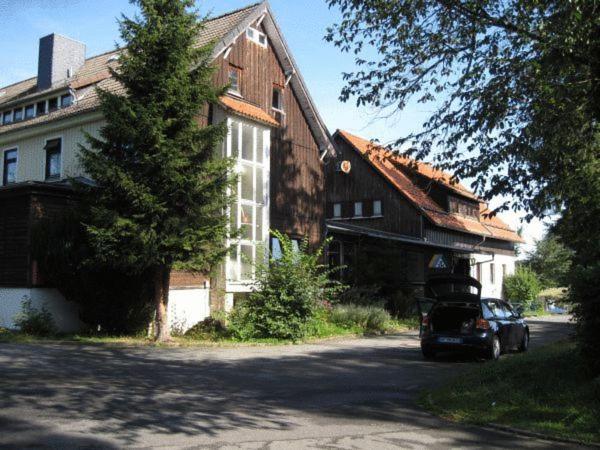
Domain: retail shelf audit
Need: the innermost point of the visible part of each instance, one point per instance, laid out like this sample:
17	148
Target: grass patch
547	390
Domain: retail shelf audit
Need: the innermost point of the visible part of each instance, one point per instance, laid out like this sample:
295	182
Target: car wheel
494	350
524	342
428	353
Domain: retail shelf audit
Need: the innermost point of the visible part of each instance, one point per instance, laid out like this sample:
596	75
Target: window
7	118
275	248
66	100
337	210
257	37
52	104
249	145
358	209
9	173
492	273
18	115
496	309
508	312
277	102
487	313
53	150
29	111
41	108
377	208
234	79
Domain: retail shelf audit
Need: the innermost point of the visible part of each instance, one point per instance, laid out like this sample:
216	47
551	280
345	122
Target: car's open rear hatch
453	288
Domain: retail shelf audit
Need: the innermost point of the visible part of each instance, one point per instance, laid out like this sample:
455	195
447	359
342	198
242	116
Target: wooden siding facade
297	179
364	184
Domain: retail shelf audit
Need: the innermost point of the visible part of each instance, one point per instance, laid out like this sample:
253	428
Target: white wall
65	313
187	307
486	263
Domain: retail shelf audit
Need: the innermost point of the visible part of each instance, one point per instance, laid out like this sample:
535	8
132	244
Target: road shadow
129	392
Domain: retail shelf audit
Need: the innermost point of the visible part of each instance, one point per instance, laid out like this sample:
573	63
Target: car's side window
496	310
487	312
508	310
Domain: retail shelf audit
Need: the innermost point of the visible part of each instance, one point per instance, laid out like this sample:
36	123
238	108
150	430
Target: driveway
353	393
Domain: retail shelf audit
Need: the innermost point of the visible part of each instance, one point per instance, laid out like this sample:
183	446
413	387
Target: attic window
277	101
257	37
235	75
52	104
30	111
7	118
66	100
18	115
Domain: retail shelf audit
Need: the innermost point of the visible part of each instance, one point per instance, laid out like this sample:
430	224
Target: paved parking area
350	393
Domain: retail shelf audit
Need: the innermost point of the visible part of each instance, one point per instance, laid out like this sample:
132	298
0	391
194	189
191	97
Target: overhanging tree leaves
515	87
161	184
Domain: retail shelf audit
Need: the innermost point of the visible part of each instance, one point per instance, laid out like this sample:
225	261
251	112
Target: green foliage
549	390
35	321
551	261
367	295
289	292
109	300
515	92
522	287
365	318
211	328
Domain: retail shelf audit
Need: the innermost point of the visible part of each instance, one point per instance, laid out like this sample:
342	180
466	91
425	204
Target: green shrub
289	292
523	287
365	318
212	327
34	321
367	295
402	303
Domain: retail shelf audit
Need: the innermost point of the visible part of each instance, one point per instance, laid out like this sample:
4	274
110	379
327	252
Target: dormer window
277	101
257	37
18	115
235	75
7	117
66	100
29	111
41	108
52	104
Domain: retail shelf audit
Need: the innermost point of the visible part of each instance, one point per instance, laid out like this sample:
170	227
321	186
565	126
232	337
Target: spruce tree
160	181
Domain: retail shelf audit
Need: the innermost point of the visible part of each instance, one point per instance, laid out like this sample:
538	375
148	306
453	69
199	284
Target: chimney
60	58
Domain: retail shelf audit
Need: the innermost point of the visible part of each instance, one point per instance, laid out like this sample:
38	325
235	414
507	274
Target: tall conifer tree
160	181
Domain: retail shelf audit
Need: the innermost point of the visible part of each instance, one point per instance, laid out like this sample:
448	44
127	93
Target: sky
304	23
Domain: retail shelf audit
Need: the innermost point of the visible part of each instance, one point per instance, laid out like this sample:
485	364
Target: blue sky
23	22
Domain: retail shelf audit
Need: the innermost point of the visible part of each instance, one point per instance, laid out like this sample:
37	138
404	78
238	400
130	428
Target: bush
289	292
402	303
523	287
212	327
33	321
367	295
366	318
109	300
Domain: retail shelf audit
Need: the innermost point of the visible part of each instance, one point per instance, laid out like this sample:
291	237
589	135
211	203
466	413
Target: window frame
51	110
235	278
254	35
337	206
6	114
5	164
20	110
37	108
29	107
63	97
380	213
360	206
47	175
281	105
238	70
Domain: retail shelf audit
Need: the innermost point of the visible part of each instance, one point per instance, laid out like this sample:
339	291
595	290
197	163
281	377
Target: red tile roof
388	164
248	110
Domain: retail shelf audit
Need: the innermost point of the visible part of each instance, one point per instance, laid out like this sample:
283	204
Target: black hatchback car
458	319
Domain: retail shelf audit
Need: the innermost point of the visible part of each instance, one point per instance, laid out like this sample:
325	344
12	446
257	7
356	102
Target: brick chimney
60	58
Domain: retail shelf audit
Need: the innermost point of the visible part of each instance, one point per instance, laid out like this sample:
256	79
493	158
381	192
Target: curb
537	435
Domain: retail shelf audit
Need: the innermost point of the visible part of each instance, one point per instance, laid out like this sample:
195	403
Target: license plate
450	340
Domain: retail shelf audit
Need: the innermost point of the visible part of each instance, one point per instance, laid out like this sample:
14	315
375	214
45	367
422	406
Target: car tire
495	349
428	353
524	345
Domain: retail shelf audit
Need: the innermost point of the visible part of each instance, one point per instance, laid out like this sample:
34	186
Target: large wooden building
394	221
275	132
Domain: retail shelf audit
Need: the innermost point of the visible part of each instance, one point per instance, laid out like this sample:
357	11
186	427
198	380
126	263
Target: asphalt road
354	393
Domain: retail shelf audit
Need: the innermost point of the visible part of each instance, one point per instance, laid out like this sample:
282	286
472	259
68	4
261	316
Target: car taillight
483	324
425	321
